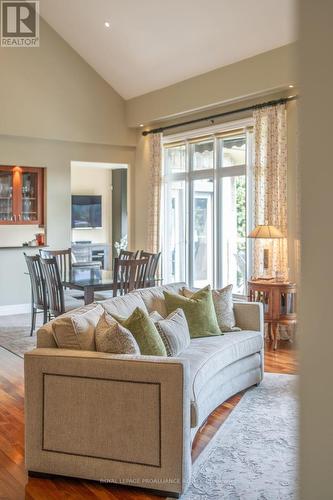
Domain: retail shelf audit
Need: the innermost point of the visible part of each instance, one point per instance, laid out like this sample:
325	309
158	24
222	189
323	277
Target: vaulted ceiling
151	44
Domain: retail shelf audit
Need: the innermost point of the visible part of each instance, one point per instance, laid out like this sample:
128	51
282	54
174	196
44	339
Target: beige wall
316	330
94	181
265	73
50	92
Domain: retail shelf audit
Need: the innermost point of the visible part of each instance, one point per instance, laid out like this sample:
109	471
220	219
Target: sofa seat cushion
208	356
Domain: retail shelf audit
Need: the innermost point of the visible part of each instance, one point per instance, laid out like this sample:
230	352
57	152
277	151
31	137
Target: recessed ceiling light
141	124
107	24
291	86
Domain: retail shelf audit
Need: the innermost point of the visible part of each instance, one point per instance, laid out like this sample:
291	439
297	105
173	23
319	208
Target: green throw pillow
144	332
199	311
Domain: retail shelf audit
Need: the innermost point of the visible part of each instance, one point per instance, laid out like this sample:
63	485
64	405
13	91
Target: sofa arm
249	316
119	419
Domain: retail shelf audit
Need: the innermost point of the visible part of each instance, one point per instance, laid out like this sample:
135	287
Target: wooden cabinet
21	195
279	301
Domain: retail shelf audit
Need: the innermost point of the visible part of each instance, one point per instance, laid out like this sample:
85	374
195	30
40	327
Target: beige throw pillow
78	330
111	336
174	332
223	305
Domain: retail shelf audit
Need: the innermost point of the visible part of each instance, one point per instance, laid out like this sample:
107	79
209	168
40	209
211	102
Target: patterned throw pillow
223	307
111	336
144	331
199	312
174	332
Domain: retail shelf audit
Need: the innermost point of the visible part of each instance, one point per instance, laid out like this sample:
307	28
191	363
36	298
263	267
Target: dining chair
153	260
64	260
38	291
127	255
58	301
129	275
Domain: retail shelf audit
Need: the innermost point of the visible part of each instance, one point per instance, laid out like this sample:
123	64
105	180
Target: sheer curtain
154	193
270	186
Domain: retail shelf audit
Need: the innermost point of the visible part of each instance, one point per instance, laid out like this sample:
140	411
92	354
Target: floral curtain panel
154	194
270	186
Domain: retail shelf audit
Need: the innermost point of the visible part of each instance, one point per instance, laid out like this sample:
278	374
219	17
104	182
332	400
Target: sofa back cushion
77	331
124	305
154	299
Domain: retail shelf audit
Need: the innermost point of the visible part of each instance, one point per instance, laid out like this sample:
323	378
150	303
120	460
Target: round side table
279	301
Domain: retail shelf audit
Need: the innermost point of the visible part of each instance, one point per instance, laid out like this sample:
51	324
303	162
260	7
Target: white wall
94	181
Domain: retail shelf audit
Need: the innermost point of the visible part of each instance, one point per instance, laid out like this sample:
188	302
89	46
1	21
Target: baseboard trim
15	309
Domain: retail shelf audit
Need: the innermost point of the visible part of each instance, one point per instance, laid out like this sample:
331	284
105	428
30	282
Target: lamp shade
265	231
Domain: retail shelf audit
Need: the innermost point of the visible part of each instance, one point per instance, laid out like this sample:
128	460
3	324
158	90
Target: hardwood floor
14	483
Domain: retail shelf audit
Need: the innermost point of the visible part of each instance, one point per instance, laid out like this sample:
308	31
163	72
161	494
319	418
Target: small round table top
271	282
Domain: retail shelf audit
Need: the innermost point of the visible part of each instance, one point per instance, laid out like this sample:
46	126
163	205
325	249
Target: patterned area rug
15	333
254	454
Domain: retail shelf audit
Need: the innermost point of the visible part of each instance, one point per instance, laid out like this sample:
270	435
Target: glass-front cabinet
21	195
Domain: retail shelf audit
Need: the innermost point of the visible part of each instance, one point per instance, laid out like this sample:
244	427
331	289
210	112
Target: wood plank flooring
14	483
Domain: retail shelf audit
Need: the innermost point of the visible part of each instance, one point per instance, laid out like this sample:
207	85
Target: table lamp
265	231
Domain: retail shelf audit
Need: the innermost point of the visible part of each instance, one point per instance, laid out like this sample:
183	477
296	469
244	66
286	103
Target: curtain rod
220	115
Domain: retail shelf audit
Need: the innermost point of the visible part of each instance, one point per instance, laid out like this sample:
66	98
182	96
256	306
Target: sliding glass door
205	210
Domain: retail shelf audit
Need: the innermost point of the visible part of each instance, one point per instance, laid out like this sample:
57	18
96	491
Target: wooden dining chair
153	260
38	291
128	255
58	301
64	260
129	275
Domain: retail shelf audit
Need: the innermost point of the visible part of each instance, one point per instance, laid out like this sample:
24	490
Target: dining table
89	280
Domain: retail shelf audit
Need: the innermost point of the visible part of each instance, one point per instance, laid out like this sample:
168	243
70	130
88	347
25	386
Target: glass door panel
233	242
175	238
6	196
233	151
29	208
203	155
175	159
203	232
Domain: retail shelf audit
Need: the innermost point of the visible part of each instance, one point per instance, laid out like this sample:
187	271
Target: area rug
253	456
15	333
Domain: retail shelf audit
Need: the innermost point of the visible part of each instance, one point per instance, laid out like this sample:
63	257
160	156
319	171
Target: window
206	207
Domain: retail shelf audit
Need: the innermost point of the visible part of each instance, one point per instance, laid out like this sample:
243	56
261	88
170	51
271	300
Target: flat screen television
86	212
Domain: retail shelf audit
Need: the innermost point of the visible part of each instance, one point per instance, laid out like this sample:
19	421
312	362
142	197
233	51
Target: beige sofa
131	419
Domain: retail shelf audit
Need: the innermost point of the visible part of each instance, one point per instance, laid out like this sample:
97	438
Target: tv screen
86	212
